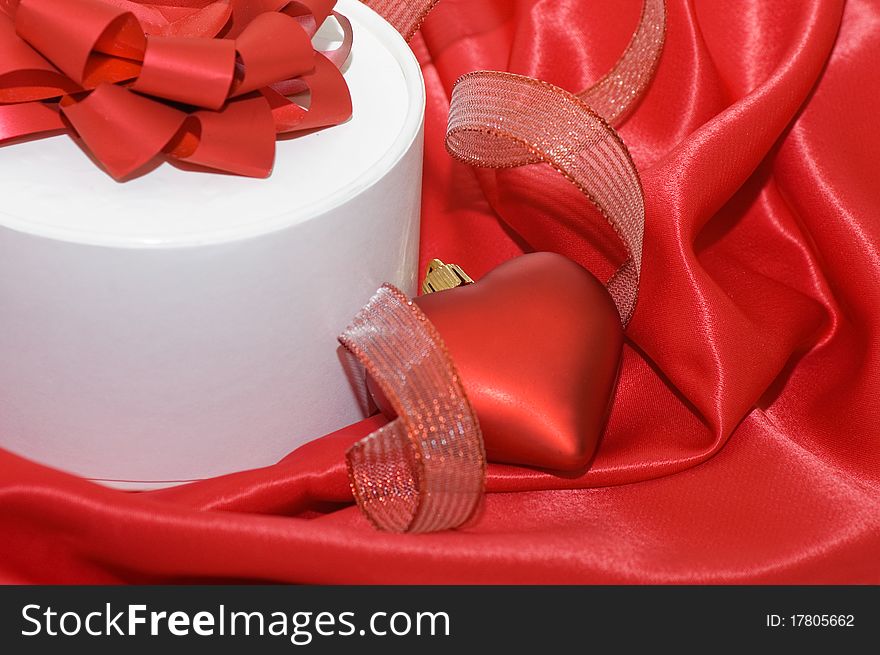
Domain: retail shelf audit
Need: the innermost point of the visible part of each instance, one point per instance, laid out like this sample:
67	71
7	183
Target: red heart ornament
537	342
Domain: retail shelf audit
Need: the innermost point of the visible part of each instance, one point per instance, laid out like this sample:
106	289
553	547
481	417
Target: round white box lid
51	189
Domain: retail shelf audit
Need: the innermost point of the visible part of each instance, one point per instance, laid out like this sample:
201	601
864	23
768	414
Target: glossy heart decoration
537	342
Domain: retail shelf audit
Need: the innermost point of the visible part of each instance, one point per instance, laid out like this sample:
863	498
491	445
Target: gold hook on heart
440	277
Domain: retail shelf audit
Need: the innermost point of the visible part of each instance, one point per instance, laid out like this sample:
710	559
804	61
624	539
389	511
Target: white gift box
183	325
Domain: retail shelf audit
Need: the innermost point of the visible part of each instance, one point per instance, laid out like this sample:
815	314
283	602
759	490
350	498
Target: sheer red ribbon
501	120
425	470
206	83
405	15
497	120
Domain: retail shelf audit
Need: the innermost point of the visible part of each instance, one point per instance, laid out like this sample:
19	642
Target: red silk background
744	442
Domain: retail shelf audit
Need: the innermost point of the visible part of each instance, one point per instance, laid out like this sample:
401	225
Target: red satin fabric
744	441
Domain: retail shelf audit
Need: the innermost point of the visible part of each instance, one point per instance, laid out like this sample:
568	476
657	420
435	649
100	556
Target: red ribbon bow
202	82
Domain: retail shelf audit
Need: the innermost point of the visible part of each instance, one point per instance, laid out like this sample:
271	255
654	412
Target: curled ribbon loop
502	120
425	470
202	82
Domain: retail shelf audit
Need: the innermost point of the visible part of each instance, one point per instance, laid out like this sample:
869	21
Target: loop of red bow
203	82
